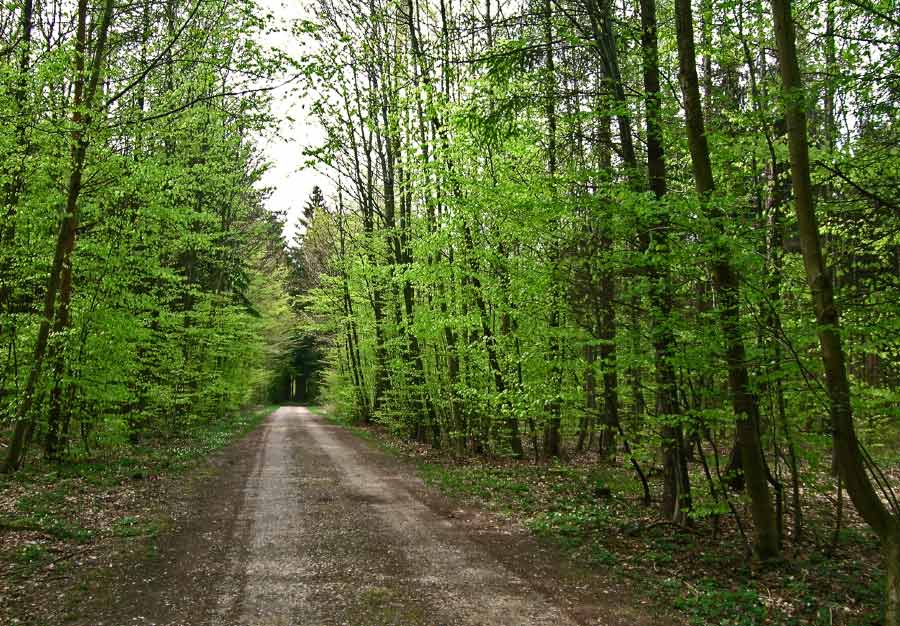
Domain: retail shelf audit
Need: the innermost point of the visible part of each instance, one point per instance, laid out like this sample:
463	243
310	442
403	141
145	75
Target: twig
639	529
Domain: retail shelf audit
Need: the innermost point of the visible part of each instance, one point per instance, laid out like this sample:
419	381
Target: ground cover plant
62	525
594	512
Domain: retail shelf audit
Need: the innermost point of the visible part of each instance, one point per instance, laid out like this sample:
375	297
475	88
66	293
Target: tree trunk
606	333
590	397
83	100
12	189
676	501
891	552
604	312
57	354
726	282
352	339
490	344
552	438
848	454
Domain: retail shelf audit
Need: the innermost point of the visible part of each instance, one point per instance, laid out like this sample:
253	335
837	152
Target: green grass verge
372	437
52	497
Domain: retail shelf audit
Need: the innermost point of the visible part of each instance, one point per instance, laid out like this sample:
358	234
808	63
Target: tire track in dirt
477	590
304	524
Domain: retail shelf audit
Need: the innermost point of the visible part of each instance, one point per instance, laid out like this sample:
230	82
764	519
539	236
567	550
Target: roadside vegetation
144	287
629	271
65	526
593	512
659	237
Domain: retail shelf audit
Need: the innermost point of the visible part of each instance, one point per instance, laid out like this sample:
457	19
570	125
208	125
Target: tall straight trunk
586	425
16	178
490	343
381	382
726	283
605	327
848	454
363	176
676	501
605	314
57	357
438	136
392	173
772	215
15	182
599	12
420	76
397	231
777	200
85	88
552	438
352	338
606	333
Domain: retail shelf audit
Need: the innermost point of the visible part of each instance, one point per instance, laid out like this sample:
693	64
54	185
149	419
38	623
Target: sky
291	184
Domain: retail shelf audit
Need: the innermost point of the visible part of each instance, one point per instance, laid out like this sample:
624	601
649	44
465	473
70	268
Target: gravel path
334	539
304	524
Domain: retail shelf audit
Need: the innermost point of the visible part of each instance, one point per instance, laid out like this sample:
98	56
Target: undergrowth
49	511
593	512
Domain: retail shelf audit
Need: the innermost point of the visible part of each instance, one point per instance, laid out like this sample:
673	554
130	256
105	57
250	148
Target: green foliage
175	312
710	604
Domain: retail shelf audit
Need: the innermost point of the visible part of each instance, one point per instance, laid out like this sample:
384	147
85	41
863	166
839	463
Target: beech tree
544	229
131	141
537	233
849	457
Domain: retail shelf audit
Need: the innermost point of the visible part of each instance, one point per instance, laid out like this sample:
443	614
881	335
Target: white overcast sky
290	183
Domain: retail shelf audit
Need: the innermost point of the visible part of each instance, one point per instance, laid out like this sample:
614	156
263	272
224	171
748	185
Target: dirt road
307	525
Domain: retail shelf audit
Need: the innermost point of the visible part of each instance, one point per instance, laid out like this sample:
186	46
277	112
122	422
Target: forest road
309	525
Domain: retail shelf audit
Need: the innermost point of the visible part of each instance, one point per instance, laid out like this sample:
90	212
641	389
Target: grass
382	606
135	526
367	434
55	508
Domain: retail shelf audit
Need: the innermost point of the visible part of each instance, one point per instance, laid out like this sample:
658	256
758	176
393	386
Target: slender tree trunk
606	333
421	76
586	424
16	178
85	88
552	438
490	343
848	453
766	543
60	326
14	185
676	501
604	313
364	174
352	339
891	550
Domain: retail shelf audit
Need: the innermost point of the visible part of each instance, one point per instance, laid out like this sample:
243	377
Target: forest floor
592	510
69	530
299	523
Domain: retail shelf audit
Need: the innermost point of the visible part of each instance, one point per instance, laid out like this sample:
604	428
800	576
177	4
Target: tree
849	456
727	286
153	313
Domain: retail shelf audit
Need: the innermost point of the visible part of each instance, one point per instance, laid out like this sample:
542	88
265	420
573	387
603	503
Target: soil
303	524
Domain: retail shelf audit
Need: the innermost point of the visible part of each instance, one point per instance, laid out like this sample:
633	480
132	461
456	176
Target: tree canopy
567	225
